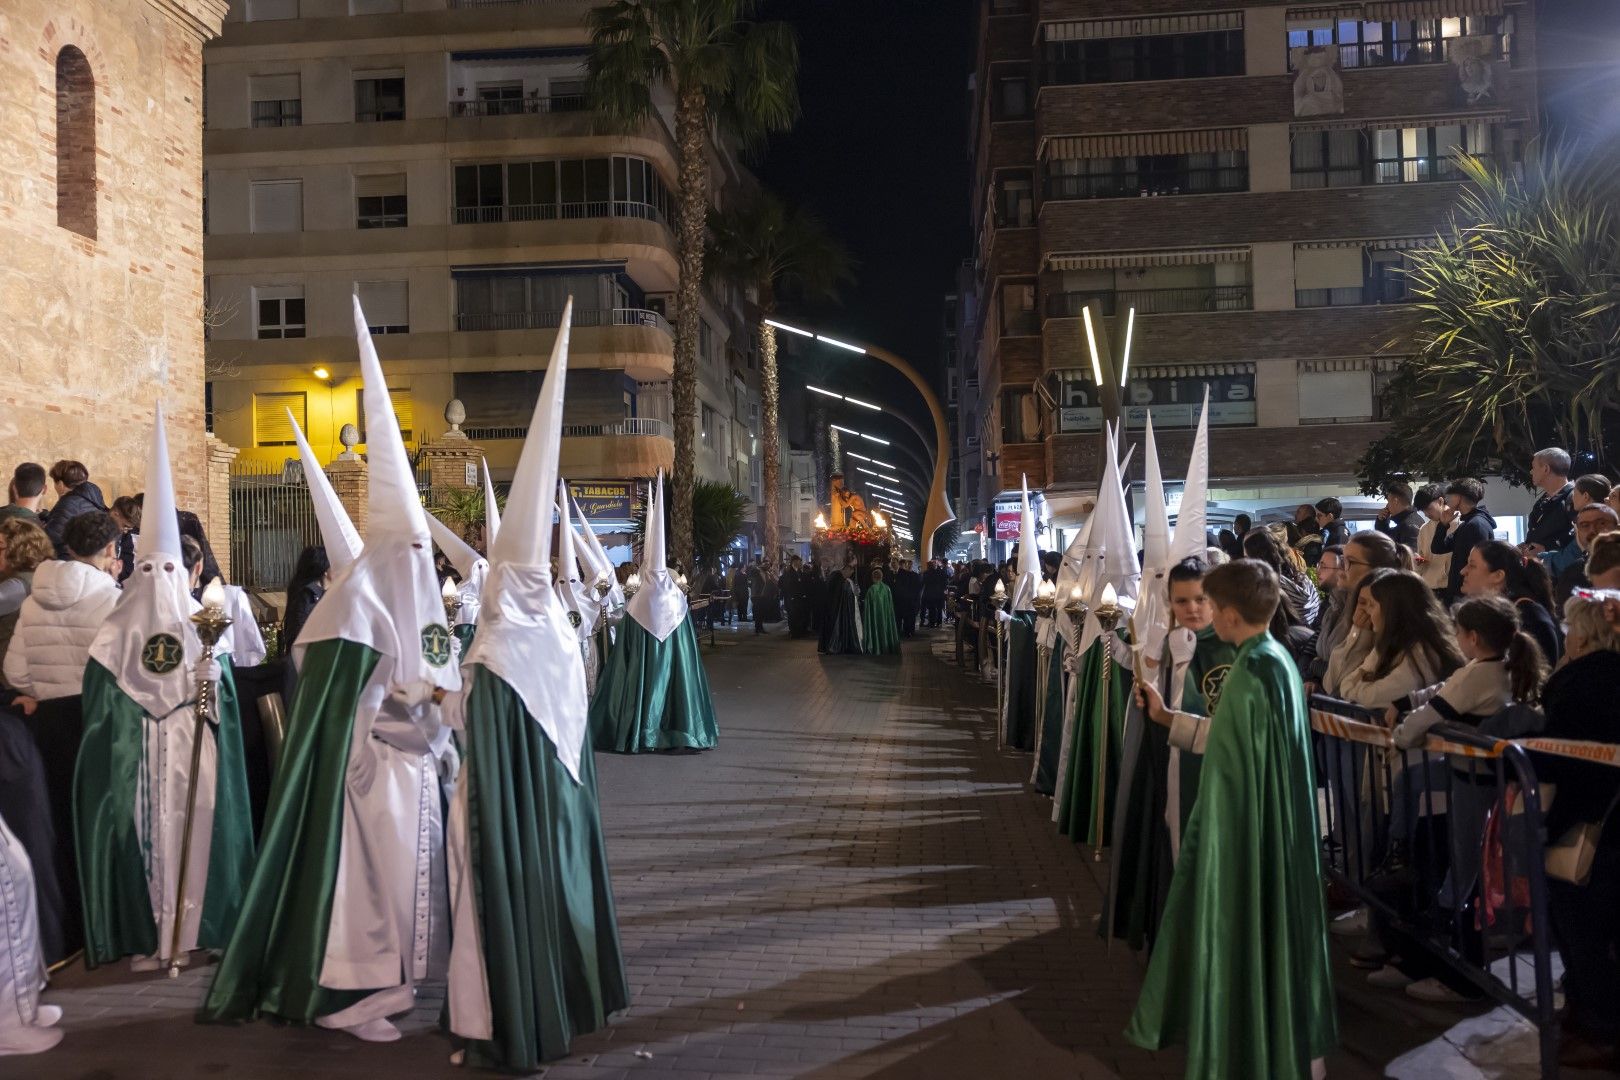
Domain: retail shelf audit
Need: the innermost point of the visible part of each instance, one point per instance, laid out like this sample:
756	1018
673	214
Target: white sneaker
47	1016
375	1031
1389	977
1349	925
1436	991
29	1039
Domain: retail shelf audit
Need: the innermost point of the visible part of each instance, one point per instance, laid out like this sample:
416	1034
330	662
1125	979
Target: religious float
848	532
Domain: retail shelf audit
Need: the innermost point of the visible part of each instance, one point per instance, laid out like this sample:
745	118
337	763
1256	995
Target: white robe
160	821
22	968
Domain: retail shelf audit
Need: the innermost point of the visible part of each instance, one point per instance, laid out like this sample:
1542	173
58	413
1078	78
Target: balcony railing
1154	301
550	320
505	3
1358	296
518	106
570	211
635	425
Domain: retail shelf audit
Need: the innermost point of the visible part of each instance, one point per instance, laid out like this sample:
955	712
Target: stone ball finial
349	436
455	414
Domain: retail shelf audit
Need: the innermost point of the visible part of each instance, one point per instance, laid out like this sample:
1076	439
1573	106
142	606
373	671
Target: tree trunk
769	390
823	456
690	222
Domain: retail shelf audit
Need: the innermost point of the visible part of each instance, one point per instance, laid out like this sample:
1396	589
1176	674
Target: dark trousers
908	619
1586	925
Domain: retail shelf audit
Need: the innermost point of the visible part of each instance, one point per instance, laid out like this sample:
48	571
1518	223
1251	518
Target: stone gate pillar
348	475
216	508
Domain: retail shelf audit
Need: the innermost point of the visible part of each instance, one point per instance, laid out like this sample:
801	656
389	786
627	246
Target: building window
1011	100
1350	276
404	411
276	206
1156	174
534	300
1405	41
75	143
374	7
271	424
708	426
1020	418
1336	392
279	311
553	190
379	98
500	99
1324	159
1015	200
1152	290
276	101
1418	155
386	304
1018	314
380	202
1133	59
266	10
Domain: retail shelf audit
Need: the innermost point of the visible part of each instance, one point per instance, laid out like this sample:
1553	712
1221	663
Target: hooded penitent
343	916
571	585
1021	706
536	958
134	765
338	534
653	693
492	510
470	566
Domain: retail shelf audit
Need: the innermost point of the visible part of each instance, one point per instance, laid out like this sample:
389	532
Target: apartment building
436	157
1250	179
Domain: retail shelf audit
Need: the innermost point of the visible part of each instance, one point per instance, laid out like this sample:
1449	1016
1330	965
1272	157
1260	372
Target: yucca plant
463	510
1518	326
718	511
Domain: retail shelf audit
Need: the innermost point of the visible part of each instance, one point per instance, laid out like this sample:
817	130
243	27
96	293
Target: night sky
881	156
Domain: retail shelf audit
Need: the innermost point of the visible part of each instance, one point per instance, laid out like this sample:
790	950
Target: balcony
635	425
1154	301
519	106
569	211
550	320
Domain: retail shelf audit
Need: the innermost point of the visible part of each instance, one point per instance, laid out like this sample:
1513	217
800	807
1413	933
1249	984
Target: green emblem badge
436	644
162	654
574	620
1214	682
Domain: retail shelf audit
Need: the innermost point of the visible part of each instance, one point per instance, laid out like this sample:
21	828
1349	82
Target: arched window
75	143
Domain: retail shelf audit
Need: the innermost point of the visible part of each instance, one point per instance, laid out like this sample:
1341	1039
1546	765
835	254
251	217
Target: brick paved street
855	884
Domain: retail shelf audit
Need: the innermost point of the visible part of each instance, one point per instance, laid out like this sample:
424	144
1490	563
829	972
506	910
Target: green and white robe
653	693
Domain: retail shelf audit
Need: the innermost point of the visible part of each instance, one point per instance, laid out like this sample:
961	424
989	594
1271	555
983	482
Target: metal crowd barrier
1444	845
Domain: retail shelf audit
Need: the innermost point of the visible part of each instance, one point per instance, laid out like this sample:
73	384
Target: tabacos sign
604	500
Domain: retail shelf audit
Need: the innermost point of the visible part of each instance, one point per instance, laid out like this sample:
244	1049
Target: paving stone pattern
856	883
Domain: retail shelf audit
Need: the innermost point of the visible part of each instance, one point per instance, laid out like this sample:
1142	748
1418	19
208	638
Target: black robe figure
799	585
840	626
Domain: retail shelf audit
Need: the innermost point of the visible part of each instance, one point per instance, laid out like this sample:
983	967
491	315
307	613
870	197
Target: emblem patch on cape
1213	683
162	654
574	620
435	644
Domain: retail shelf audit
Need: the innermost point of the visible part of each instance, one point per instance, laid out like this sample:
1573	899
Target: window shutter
1328	268
1335	395
270	424
380	185
385	303
262	10
278	206
274	87
374	7
403	410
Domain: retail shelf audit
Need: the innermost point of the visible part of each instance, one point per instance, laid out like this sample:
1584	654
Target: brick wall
1310	452
1023	459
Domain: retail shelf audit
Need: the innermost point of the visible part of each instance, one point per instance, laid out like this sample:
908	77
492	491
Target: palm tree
1518	321
773	250
726	72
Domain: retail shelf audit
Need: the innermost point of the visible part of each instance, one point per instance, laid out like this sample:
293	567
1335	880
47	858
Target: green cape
653	695
878	625
118	918
1021	704
1094	706
545	903
1240	970
273	961
1050	744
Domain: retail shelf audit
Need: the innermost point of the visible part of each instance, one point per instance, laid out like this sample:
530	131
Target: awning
1144	143
1396	10
1114	260
1167	371
1339	364
1498	116
1093	29
1391	243
1322	14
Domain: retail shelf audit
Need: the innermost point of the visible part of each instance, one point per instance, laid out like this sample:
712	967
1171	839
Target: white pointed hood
524	637
1069	575
338	534
571	587
1153	609
614	600
659	605
148	642
1029	557
472	567
388	599
1192	518
1114	546
492	510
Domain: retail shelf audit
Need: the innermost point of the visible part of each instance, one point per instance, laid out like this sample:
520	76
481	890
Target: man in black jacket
75	495
1552	518
1398	520
1330	518
1465	524
908	587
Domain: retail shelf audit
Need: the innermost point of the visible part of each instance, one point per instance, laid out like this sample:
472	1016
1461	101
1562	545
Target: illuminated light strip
789	329
819	390
1125	366
885	464
862	404
824	339
845	430
860	457
874	438
1091	343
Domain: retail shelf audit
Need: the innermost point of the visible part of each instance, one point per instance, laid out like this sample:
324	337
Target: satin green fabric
1020	676
273	961
1095	705
464	633
1206	677
1050	744
118	917
653	695
879	628
1240	971
540	873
